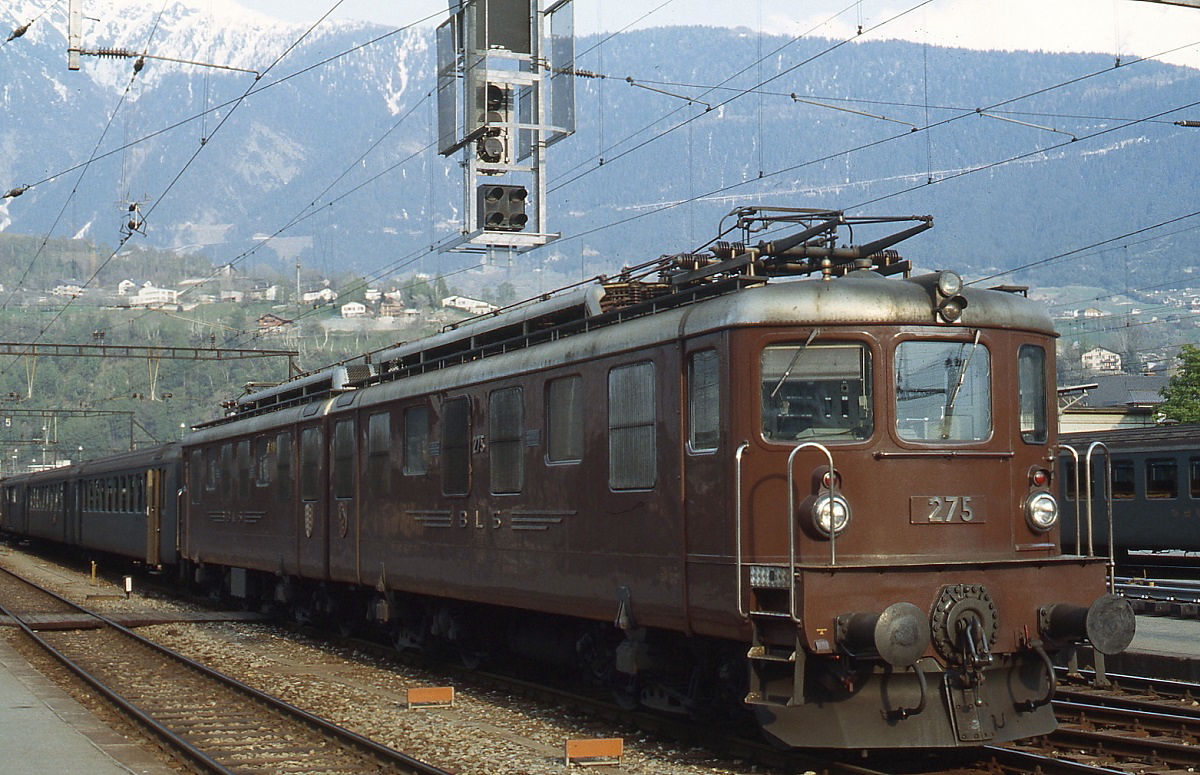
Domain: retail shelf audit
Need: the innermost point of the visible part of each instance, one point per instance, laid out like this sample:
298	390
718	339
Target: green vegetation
148	401
1181	396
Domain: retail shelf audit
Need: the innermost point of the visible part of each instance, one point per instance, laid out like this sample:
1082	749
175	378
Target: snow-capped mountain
330	141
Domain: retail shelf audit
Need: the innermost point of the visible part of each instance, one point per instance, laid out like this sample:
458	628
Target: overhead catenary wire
181	172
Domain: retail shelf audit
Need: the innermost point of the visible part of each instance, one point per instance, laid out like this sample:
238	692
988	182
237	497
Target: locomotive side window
1031	389
1162	478
379	460
244	464
456	446
225	468
816	392
262	462
506	428
195	474
943	391
632	454
1122	480
310	462
564	420
416	440
211	476
704	401
283	466
343	459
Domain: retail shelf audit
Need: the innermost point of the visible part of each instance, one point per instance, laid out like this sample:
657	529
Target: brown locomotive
827	499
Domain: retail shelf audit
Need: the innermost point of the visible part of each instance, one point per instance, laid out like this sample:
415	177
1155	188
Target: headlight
949	283
1041	511
830	514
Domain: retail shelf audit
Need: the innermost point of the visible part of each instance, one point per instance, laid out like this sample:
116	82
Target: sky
1125	28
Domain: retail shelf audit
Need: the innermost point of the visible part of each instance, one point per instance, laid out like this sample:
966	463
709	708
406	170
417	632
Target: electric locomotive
785	475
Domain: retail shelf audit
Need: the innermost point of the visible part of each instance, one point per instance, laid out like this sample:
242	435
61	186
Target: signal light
502	208
492	148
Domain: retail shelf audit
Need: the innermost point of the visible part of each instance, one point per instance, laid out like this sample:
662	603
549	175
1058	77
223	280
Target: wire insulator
113	53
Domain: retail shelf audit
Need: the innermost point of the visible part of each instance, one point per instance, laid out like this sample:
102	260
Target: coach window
456	446
506	428
1067	476
1122	480
262	462
343	459
416	440
1162	478
704	401
943	391
816	392
564	420
310	463
1194	477
283	466
1031	389
379	455
632	418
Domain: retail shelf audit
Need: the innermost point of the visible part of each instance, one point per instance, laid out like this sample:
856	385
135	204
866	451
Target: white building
474	306
354	309
323	296
1101	359
149	296
125	287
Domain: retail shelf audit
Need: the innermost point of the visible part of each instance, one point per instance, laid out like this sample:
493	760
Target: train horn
900	635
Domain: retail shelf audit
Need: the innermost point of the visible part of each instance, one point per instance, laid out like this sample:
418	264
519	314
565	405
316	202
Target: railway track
1151	731
211	722
1179	598
1140	725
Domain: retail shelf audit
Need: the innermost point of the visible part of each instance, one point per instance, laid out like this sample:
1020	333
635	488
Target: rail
288	728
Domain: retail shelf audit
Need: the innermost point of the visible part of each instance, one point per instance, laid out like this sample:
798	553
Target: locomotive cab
900	551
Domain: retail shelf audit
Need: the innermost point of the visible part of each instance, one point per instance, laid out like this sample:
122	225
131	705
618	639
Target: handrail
1108	499
737	521
1078	524
791	518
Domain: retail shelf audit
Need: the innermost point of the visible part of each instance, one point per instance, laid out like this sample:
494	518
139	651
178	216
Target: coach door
706	462
154	503
313	549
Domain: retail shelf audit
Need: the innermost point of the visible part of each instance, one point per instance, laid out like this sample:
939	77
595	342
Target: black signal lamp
502	208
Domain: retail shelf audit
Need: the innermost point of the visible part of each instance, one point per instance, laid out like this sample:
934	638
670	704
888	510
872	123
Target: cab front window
816	392
943	391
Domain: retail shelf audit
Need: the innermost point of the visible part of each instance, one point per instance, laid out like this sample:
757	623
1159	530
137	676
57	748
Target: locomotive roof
585	324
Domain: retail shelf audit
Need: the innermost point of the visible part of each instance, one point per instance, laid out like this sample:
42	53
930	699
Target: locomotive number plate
946	509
